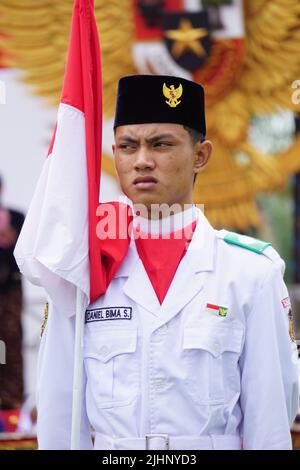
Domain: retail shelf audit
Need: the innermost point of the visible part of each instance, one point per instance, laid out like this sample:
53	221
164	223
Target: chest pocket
211	354
112	366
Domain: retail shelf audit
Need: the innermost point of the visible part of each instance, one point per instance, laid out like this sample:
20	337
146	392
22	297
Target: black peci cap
160	98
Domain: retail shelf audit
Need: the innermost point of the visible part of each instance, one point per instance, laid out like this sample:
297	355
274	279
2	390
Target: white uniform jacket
180	373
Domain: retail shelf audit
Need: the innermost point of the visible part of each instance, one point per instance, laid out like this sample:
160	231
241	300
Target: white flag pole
78	369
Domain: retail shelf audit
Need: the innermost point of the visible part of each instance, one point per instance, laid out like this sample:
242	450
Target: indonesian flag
58	247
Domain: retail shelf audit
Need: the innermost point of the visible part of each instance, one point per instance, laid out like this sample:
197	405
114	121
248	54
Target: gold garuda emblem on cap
173	94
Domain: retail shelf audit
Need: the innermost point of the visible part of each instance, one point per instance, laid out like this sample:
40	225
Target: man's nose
144	159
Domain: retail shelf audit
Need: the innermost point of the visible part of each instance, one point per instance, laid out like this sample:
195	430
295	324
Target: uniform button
104	350
159	384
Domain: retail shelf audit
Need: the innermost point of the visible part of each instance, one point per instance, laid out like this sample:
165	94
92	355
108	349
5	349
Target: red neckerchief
161	256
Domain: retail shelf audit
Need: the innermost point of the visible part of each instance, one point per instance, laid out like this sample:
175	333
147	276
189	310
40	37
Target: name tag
108	313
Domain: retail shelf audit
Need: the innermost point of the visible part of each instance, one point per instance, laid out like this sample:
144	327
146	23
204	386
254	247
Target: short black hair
195	136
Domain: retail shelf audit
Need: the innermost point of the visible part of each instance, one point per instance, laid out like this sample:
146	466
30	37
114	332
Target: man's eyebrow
127	138
165	135
155	138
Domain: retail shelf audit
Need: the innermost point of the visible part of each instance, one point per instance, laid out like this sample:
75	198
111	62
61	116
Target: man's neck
169	222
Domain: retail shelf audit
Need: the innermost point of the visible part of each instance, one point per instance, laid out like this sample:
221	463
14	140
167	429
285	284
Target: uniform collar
189	279
201	250
166	224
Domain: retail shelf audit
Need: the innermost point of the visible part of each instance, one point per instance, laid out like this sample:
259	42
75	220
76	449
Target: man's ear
114	159
203	152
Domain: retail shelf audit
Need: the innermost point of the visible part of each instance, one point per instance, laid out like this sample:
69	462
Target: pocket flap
215	340
107	343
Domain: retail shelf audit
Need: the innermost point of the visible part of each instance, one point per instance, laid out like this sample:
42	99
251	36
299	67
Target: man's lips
145	182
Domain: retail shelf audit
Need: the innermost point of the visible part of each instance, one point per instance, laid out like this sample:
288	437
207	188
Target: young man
189	348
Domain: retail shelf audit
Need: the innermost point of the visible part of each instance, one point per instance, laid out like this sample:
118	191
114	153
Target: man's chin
147	200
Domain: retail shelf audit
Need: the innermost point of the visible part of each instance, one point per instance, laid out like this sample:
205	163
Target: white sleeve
55	385
269	383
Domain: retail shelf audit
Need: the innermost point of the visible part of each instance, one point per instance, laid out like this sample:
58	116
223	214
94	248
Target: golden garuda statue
245	53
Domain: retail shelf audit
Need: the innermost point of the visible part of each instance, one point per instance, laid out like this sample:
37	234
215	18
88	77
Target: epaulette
252	244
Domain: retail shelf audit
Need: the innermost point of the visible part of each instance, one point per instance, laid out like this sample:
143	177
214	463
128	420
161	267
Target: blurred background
245	53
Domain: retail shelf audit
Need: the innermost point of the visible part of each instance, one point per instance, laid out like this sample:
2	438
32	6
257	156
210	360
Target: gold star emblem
187	37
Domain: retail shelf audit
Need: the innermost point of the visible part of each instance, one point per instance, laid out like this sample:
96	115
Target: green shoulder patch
250	243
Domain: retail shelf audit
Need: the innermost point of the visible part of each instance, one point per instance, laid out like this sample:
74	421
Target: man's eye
163	144
126	147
